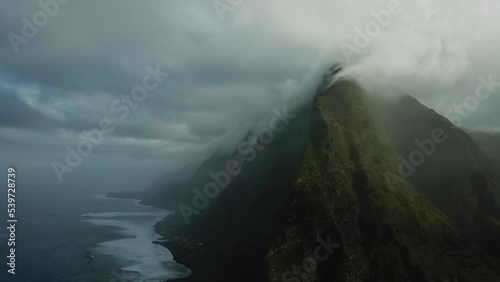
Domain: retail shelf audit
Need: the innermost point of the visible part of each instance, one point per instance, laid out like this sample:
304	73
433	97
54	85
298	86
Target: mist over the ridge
226	74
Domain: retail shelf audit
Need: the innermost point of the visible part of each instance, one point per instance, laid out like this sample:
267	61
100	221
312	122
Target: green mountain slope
385	234
316	204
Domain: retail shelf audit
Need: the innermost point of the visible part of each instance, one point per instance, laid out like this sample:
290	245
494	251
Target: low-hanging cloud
225	75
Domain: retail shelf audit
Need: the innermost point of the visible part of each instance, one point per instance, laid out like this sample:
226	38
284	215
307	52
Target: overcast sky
228	64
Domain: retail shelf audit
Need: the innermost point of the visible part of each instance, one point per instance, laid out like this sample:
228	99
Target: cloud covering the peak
227	68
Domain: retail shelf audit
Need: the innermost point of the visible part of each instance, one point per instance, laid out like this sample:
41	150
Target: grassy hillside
324	179
385	234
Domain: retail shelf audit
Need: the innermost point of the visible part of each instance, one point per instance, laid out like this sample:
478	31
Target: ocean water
56	228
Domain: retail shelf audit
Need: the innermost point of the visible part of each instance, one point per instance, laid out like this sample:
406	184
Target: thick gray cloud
14	112
223	72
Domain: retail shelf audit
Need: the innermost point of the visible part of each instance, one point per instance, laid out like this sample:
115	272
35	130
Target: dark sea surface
56	228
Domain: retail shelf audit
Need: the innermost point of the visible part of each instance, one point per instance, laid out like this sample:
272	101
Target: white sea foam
105	197
137	253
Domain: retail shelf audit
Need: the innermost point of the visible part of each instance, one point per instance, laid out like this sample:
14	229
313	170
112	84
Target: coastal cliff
326	200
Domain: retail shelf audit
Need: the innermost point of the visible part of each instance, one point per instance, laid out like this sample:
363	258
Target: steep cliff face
385	233
232	233
317	203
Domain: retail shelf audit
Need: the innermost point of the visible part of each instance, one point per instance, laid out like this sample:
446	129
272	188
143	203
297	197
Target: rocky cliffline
325	201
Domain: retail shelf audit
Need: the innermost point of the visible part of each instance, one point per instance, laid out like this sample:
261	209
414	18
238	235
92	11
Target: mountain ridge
332	187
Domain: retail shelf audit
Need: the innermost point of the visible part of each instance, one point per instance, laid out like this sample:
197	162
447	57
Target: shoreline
164	260
188	255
